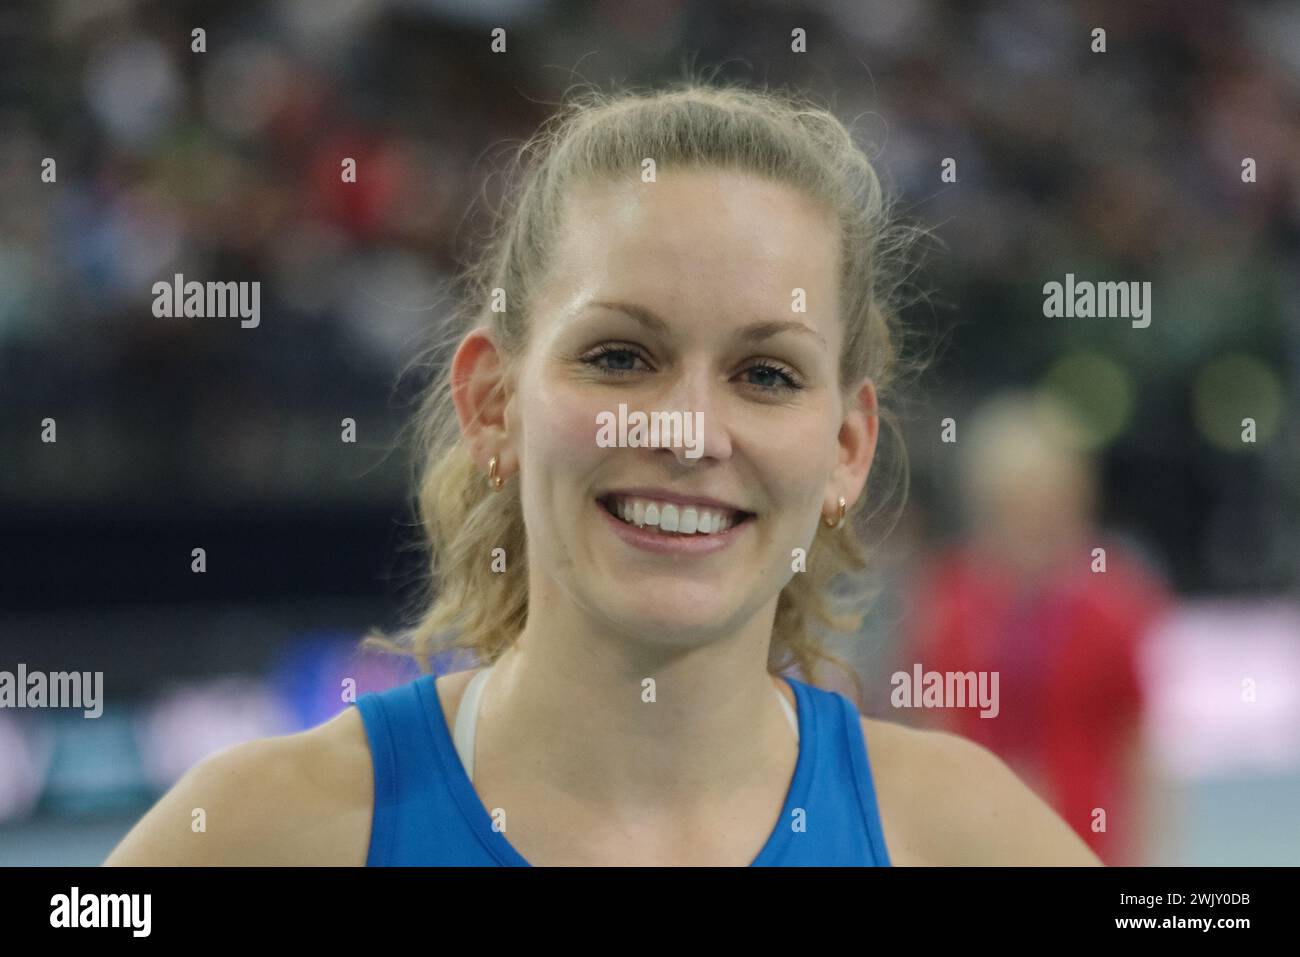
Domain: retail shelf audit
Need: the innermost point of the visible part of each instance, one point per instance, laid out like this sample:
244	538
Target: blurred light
95	766
193	721
1097	390
1194	667
1232	388
133	88
24	756
311	674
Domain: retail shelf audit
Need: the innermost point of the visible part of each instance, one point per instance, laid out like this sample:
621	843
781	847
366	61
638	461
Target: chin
682	614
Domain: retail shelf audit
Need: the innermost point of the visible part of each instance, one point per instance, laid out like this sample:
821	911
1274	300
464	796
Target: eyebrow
754	332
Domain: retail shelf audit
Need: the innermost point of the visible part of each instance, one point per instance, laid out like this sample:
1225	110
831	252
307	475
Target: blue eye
774	378
619	360
623	359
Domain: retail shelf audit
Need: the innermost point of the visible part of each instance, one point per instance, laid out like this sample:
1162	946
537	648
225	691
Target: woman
716	253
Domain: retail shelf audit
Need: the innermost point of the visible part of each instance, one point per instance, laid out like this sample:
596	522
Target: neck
627	720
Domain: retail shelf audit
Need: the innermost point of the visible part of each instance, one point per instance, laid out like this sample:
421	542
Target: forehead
699	234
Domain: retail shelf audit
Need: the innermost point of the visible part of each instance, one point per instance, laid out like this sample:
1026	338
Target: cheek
558	452
797	460
561	429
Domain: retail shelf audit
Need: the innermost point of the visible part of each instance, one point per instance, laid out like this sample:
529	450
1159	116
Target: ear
480	391
857	447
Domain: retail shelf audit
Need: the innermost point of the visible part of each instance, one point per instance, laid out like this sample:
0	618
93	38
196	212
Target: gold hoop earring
839	521
493	477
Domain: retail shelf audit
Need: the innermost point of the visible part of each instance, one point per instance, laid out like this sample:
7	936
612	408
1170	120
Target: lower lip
673	544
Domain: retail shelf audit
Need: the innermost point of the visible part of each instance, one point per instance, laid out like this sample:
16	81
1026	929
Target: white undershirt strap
467	718
789	713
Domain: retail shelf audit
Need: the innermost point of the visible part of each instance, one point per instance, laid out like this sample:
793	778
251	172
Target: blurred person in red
1028	595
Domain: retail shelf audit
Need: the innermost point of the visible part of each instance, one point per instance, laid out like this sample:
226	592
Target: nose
697	393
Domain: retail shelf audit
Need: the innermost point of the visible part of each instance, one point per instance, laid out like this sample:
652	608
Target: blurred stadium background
177	434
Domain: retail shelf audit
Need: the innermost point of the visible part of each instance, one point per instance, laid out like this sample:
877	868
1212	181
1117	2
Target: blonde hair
594	136
1018	435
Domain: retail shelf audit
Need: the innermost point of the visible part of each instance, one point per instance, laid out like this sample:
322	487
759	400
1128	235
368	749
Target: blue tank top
427	813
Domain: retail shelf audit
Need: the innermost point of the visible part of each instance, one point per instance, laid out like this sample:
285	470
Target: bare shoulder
947	801
297	799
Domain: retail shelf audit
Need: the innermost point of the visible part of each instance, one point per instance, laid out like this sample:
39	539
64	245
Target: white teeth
671	518
690	521
668	518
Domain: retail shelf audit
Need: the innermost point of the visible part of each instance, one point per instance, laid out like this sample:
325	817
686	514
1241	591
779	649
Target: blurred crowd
226	163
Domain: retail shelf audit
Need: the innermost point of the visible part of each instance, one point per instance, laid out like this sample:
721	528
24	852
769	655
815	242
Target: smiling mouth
672	519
